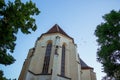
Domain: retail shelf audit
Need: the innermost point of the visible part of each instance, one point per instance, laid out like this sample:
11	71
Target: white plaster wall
79	72
61	78
38	77
63	39
93	75
73	62
55	68
29	76
86	74
37	60
44	77
67	62
72	68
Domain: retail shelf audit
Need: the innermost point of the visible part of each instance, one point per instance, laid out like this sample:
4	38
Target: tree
14	16
1	76
108	38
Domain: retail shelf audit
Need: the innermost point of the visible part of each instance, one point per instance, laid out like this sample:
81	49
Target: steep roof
56	29
84	65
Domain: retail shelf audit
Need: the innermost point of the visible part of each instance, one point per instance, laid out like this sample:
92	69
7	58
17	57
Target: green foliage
14	16
1	76
4	78
108	34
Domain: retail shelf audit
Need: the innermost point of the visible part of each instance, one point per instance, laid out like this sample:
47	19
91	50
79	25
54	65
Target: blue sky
78	18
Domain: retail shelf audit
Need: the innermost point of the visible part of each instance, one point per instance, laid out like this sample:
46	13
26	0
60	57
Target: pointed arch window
63	61
47	58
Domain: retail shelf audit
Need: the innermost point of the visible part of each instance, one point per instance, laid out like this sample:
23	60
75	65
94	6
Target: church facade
55	57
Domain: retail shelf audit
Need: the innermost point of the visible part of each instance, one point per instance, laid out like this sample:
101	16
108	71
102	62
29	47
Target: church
55	57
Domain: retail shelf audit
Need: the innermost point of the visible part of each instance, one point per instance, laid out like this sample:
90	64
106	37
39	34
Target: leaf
14	16
108	54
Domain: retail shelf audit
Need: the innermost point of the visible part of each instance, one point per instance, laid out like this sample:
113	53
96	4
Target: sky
78	18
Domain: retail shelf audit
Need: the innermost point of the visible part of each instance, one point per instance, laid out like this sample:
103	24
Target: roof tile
56	29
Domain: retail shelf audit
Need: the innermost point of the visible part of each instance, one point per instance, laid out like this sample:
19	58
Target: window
47	58
63	61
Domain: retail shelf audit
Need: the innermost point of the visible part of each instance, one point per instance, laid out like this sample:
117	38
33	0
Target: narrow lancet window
63	61
47	58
